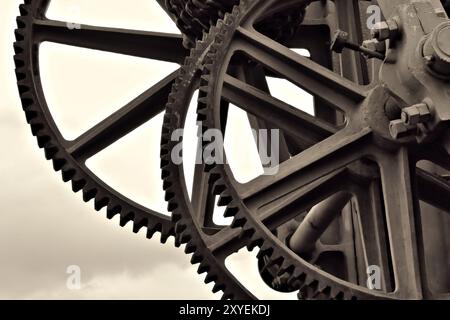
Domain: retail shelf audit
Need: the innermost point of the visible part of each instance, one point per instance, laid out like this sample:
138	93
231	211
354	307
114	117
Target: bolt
341	41
416	114
385	30
375	45
399	129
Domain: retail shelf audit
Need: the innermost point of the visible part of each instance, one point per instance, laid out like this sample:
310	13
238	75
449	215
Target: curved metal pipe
317	220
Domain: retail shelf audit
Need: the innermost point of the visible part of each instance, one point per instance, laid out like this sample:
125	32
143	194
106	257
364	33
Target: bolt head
339	41
411	116
398	129
375	45
385	30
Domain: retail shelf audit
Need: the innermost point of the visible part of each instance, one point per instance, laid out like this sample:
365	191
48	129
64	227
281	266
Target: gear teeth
348	296
239	220
210	278
164	237
218	187
230	212
339	296
254	242
151	232
100	202
196	258
326	291
78	184
227	296
50	150
125	218
286	269
190	248
218	287
224	199
264	251
58	163
112	211
308	280
179	228
314	285
322	287
68	174
274	262
248	231
89	193
139	223
185	237
203	267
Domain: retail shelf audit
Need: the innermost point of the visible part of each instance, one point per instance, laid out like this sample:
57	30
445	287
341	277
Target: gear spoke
323	158
308	75
291	120
431	188
203	200
137	112
256	78
226	242
144	44
371	227
400	218
279	211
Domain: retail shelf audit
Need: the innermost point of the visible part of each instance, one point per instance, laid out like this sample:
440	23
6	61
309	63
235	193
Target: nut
416	114
339	42
385	30
399	129
375	45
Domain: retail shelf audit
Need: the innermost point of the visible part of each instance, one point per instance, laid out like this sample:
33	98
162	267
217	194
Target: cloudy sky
45	228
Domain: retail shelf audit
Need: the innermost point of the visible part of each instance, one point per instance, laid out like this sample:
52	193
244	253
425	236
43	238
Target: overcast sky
45	227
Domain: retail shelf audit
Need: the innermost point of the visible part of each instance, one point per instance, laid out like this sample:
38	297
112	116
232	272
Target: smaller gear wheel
69	157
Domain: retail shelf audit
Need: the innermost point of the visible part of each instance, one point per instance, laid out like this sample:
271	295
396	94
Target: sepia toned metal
383	173
69	157
362	182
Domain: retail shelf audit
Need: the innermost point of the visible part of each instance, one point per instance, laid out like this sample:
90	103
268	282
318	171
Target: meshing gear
194	17
358	163
348	177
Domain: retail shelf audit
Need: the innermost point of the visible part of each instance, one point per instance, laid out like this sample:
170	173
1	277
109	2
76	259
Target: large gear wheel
69	157
316	175
203	239
317	179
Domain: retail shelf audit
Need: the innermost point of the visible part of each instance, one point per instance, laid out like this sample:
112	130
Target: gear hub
437	49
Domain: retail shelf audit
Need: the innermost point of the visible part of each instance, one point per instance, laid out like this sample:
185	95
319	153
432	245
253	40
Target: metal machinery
362	182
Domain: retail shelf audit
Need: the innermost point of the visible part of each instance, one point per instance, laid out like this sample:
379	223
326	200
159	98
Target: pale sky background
45	227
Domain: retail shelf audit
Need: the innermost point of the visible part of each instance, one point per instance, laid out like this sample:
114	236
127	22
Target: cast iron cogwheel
209	249
349	144
69	157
